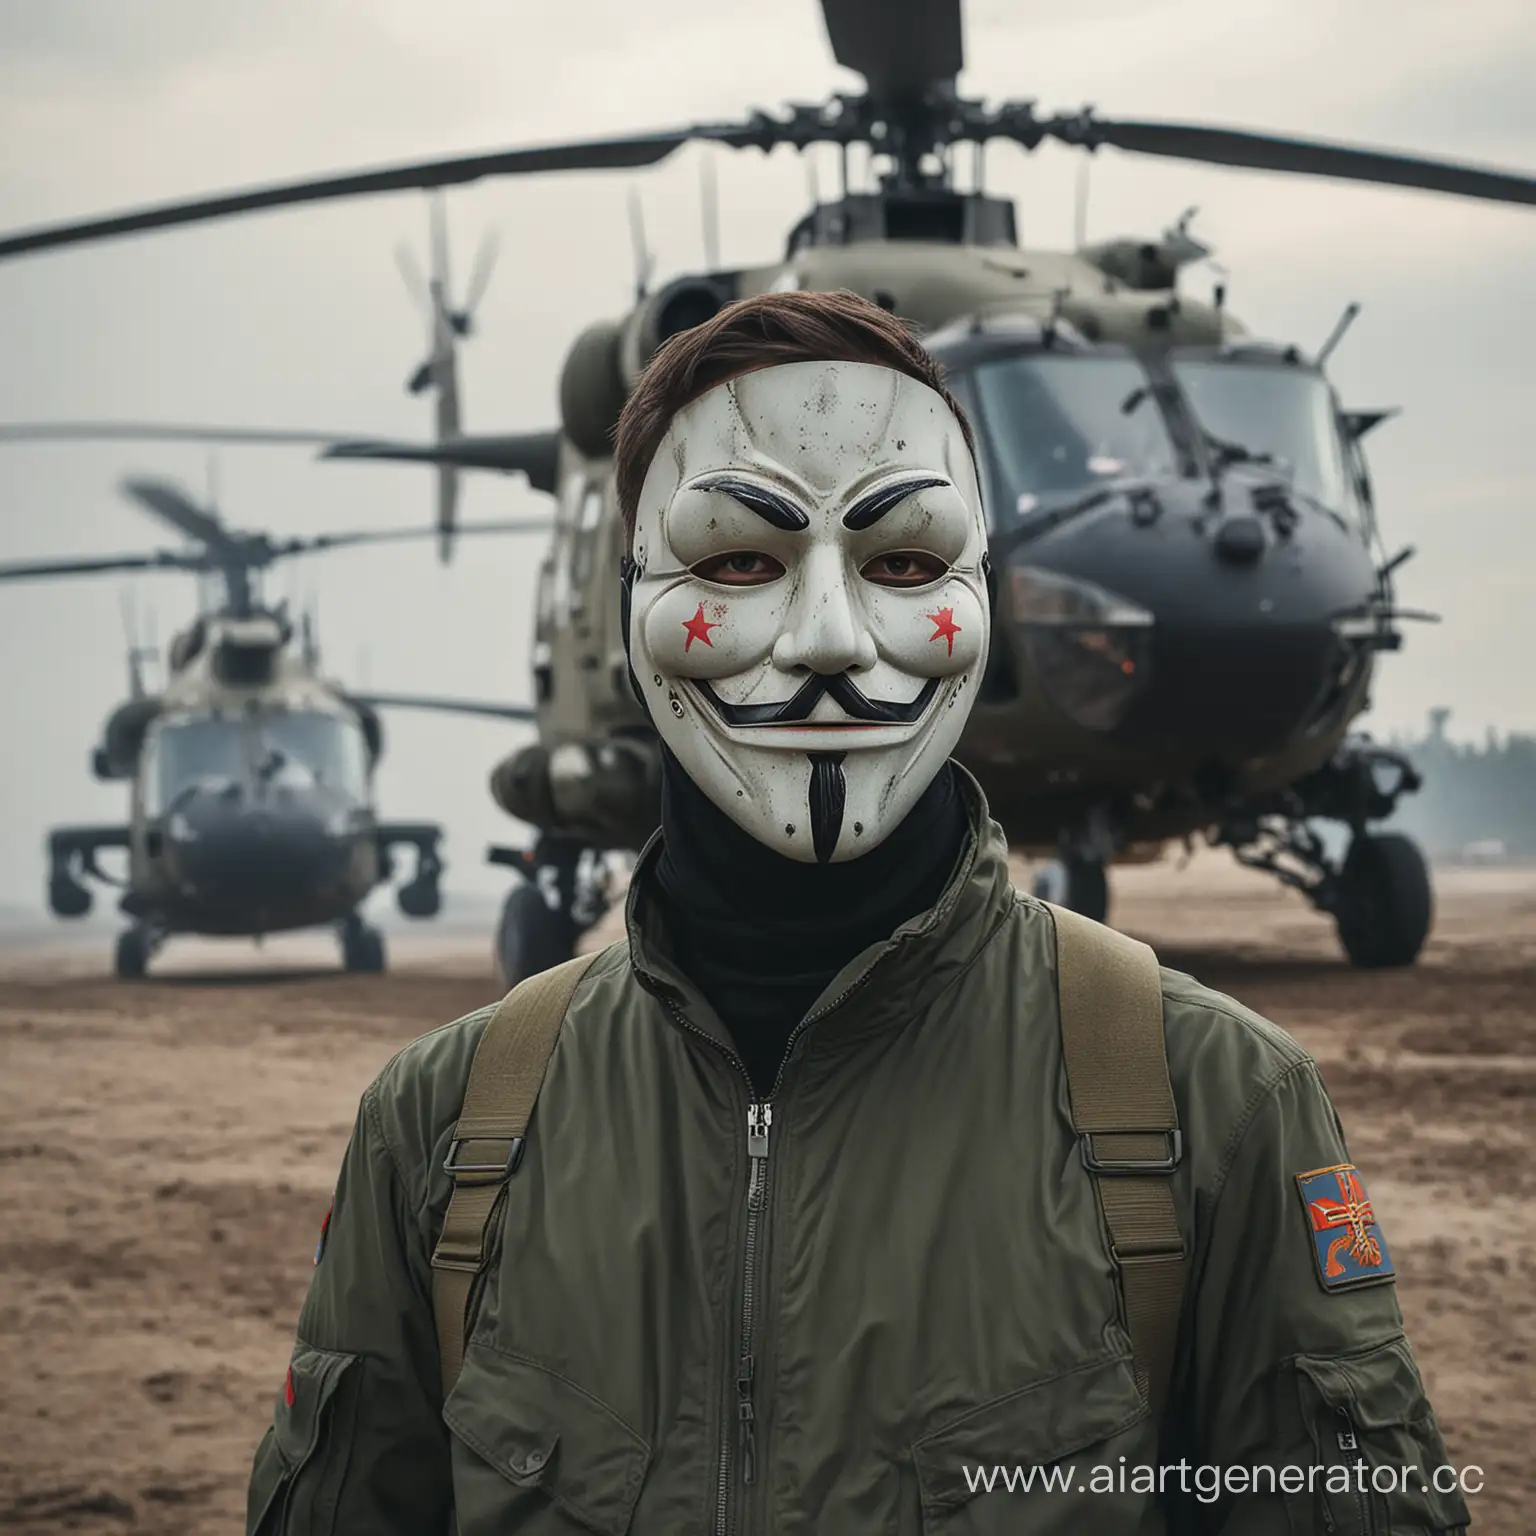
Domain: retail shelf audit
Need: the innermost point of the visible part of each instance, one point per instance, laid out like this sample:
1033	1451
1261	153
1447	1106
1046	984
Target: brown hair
760	332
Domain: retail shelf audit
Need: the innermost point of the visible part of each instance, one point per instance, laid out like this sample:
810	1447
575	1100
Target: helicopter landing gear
362	945
1077	881
1379	894
134	950
563	892
1383	903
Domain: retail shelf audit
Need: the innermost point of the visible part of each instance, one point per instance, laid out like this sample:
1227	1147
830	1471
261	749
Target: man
805	1234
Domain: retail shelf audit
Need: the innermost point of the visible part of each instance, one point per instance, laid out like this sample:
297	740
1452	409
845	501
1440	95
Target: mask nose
826	632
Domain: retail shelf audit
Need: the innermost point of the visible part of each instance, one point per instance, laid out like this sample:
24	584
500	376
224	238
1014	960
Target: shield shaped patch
1346	1239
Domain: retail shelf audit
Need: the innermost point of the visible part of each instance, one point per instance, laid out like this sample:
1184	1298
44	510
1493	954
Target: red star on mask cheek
698	628
944	627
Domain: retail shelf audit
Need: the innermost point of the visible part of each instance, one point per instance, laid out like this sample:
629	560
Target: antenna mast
1336	335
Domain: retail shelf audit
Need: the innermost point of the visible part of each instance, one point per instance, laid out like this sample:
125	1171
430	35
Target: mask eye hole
739	568
903	568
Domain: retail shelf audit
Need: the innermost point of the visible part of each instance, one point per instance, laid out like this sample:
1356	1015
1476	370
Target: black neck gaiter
761	935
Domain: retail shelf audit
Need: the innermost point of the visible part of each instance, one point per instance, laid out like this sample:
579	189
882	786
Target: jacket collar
887	983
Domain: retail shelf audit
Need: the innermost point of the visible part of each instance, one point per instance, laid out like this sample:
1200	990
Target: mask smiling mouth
862	711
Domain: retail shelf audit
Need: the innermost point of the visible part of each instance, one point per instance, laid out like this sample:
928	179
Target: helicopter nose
1249	656
1209	630
254	852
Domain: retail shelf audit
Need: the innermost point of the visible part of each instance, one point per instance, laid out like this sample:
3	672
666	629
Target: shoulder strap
487	1145
1116	1060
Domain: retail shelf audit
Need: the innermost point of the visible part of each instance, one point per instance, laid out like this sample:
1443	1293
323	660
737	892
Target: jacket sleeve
1302	1400
357	1441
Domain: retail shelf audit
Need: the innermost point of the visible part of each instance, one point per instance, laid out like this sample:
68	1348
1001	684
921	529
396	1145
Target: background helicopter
251	776
1150	683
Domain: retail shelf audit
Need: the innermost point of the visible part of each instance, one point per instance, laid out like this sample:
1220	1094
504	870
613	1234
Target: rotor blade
480	273
899	46
447	706
621	154
162	560
171	503
534	454
167	432
1307	157
322	541
410	273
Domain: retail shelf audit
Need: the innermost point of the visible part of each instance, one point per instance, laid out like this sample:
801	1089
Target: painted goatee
828	794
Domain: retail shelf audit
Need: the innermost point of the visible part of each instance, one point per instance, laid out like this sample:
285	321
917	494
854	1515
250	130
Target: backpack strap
487	1145
1116	1059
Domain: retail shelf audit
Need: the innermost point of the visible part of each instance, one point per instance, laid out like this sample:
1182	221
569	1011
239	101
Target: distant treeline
1477	801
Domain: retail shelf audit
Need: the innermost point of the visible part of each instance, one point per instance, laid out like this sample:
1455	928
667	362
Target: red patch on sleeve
288	1387
325	1227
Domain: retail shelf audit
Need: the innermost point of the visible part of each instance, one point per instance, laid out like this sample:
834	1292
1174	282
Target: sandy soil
167	1149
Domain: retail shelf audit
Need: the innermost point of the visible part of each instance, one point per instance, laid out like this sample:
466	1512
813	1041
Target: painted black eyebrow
771	506
868	510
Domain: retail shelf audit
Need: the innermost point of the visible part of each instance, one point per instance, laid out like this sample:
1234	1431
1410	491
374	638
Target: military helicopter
1192	588
251	776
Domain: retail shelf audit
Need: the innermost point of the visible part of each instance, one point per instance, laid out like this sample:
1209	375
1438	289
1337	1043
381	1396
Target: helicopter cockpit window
1057	427
186	754
305	749
1277	412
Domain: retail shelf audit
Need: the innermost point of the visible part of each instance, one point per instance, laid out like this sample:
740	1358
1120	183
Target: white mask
808	609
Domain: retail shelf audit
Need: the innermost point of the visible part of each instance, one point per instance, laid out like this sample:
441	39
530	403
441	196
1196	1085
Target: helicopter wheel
362	946
131	958
1383	903
1076	883
531	936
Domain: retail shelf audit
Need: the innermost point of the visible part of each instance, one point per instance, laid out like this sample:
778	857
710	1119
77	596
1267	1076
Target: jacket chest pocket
1026	1464
536	1454
1381	1465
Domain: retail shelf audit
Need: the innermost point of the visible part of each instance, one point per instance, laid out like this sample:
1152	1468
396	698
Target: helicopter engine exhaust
607	358
676	307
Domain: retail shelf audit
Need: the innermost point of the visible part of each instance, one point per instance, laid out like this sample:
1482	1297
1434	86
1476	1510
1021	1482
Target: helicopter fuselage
1183	622
256	842
1187	601
251	797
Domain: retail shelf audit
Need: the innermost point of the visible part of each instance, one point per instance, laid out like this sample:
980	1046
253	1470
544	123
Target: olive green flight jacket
875	1304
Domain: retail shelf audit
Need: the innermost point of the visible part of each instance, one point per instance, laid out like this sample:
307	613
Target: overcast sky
300	318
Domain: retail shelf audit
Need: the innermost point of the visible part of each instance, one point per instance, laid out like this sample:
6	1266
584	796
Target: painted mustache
841	688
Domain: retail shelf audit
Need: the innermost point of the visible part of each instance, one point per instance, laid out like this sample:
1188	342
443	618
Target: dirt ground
167	1149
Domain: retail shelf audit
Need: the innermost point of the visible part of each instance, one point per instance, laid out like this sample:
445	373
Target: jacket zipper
759	1121
757	1114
